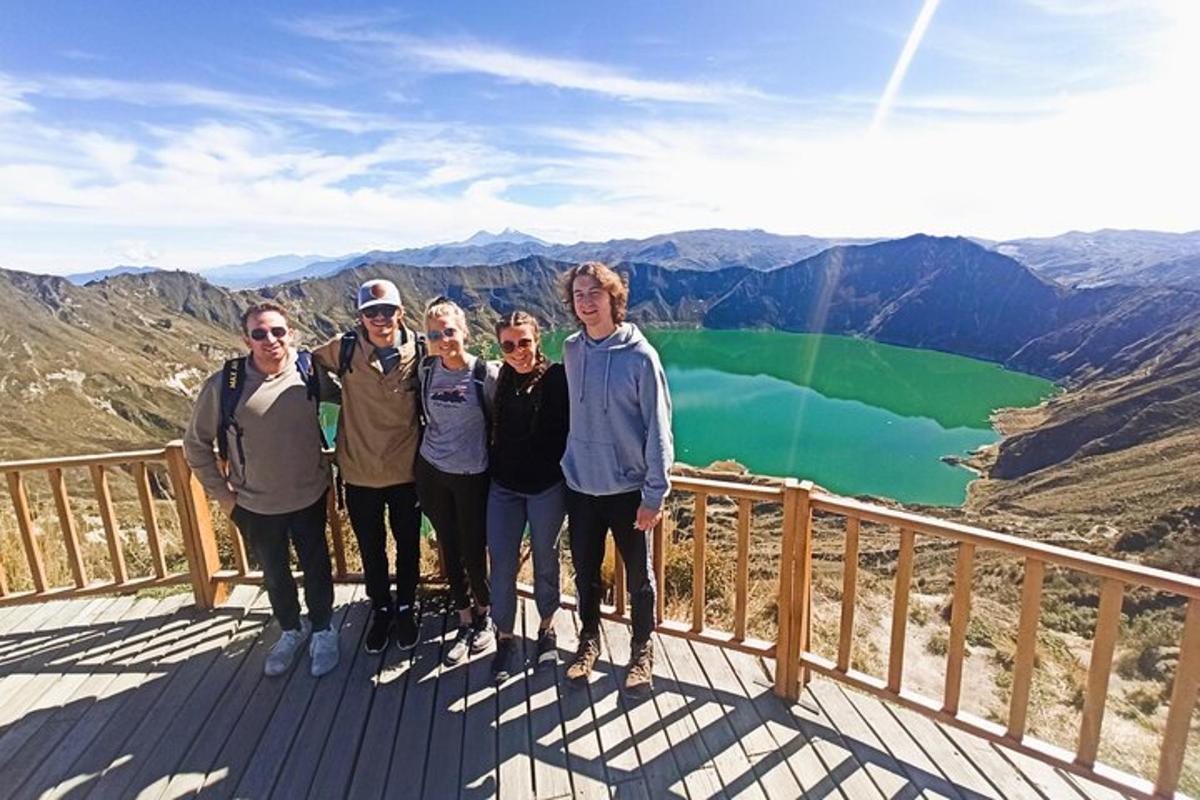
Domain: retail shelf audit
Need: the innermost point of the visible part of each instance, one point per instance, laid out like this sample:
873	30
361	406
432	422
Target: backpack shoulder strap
346	353
479	378
233	382
312	385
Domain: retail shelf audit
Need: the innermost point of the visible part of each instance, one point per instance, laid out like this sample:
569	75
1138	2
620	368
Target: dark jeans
267	535
367	507
589	518
457	507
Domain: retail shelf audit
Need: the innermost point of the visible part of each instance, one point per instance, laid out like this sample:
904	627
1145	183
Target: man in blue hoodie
618	459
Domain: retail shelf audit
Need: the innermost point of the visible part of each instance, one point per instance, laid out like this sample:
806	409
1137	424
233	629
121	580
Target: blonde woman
457	390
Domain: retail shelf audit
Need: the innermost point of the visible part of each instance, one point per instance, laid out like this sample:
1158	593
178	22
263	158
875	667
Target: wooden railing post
802	618
795	585
787	545
196	527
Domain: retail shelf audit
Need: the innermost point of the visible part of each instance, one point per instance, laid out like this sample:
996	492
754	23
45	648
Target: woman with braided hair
528	437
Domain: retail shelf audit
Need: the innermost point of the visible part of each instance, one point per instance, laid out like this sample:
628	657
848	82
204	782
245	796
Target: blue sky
197	134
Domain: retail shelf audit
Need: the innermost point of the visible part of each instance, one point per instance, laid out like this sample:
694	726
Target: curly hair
610	281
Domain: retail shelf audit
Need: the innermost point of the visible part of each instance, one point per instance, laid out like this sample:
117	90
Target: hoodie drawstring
607	369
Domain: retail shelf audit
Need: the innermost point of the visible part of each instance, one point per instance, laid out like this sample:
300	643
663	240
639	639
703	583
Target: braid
508	376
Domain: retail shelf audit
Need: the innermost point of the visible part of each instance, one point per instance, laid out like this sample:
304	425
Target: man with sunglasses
261	412
377	439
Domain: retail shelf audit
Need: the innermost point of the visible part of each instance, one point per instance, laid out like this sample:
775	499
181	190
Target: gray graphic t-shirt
455	440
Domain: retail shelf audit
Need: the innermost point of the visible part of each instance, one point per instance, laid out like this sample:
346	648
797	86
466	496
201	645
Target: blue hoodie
620	434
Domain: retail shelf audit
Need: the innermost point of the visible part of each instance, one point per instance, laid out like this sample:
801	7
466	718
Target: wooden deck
151	697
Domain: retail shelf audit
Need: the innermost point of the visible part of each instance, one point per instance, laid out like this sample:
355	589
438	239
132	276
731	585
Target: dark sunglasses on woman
509	346
447	333
258	334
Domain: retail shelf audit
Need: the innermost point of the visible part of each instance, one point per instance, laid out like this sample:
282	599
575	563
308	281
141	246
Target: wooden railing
792	647
56	471
795	657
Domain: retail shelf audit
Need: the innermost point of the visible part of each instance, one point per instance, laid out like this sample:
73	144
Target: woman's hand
647	518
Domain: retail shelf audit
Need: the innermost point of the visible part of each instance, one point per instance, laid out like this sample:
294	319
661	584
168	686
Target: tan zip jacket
378	433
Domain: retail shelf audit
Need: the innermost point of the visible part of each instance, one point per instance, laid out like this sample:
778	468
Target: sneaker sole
547	658
374	651
406	645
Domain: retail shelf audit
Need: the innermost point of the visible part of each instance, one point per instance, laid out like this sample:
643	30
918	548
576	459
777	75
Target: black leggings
457	507
366	506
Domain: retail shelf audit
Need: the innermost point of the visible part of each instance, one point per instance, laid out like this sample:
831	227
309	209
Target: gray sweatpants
507	513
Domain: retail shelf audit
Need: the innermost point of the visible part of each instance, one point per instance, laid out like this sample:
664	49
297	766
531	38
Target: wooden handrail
98	459
1099	566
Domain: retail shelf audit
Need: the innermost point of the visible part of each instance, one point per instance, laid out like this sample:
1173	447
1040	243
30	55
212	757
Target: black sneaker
461	646
506	649
547	647
377	635
485	633
406	629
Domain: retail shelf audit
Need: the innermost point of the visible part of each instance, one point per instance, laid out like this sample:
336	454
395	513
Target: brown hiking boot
585	658
639	675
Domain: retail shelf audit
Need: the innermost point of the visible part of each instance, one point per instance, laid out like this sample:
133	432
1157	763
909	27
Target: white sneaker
283	652
323	650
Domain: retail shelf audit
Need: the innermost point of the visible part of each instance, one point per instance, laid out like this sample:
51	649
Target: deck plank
386	687
619	754
951	762
139	684
186	720
702	741
66	768
480	776
921	770
882	768
24	676
589	774
660	768
514	750
63	732
230	683
184	666
447	737
407	772
333	767
300	767
794	745
752	735
552	774
984	756
264	759
62	678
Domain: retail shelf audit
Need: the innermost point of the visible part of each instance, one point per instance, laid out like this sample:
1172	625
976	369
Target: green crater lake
854	416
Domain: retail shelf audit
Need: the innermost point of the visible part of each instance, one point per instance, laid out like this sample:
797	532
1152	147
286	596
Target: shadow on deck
150	697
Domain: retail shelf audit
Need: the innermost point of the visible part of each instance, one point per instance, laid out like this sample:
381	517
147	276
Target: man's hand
227	505
647	518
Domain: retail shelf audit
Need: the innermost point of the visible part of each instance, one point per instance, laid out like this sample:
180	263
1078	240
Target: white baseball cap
378	292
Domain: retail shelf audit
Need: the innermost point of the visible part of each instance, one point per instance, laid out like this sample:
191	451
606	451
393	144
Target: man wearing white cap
377	440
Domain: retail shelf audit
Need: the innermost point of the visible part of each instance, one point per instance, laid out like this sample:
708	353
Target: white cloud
251	185
468	56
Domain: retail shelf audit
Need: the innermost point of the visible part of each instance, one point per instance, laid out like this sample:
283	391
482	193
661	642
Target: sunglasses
259	334
509	346
444	333
379	311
